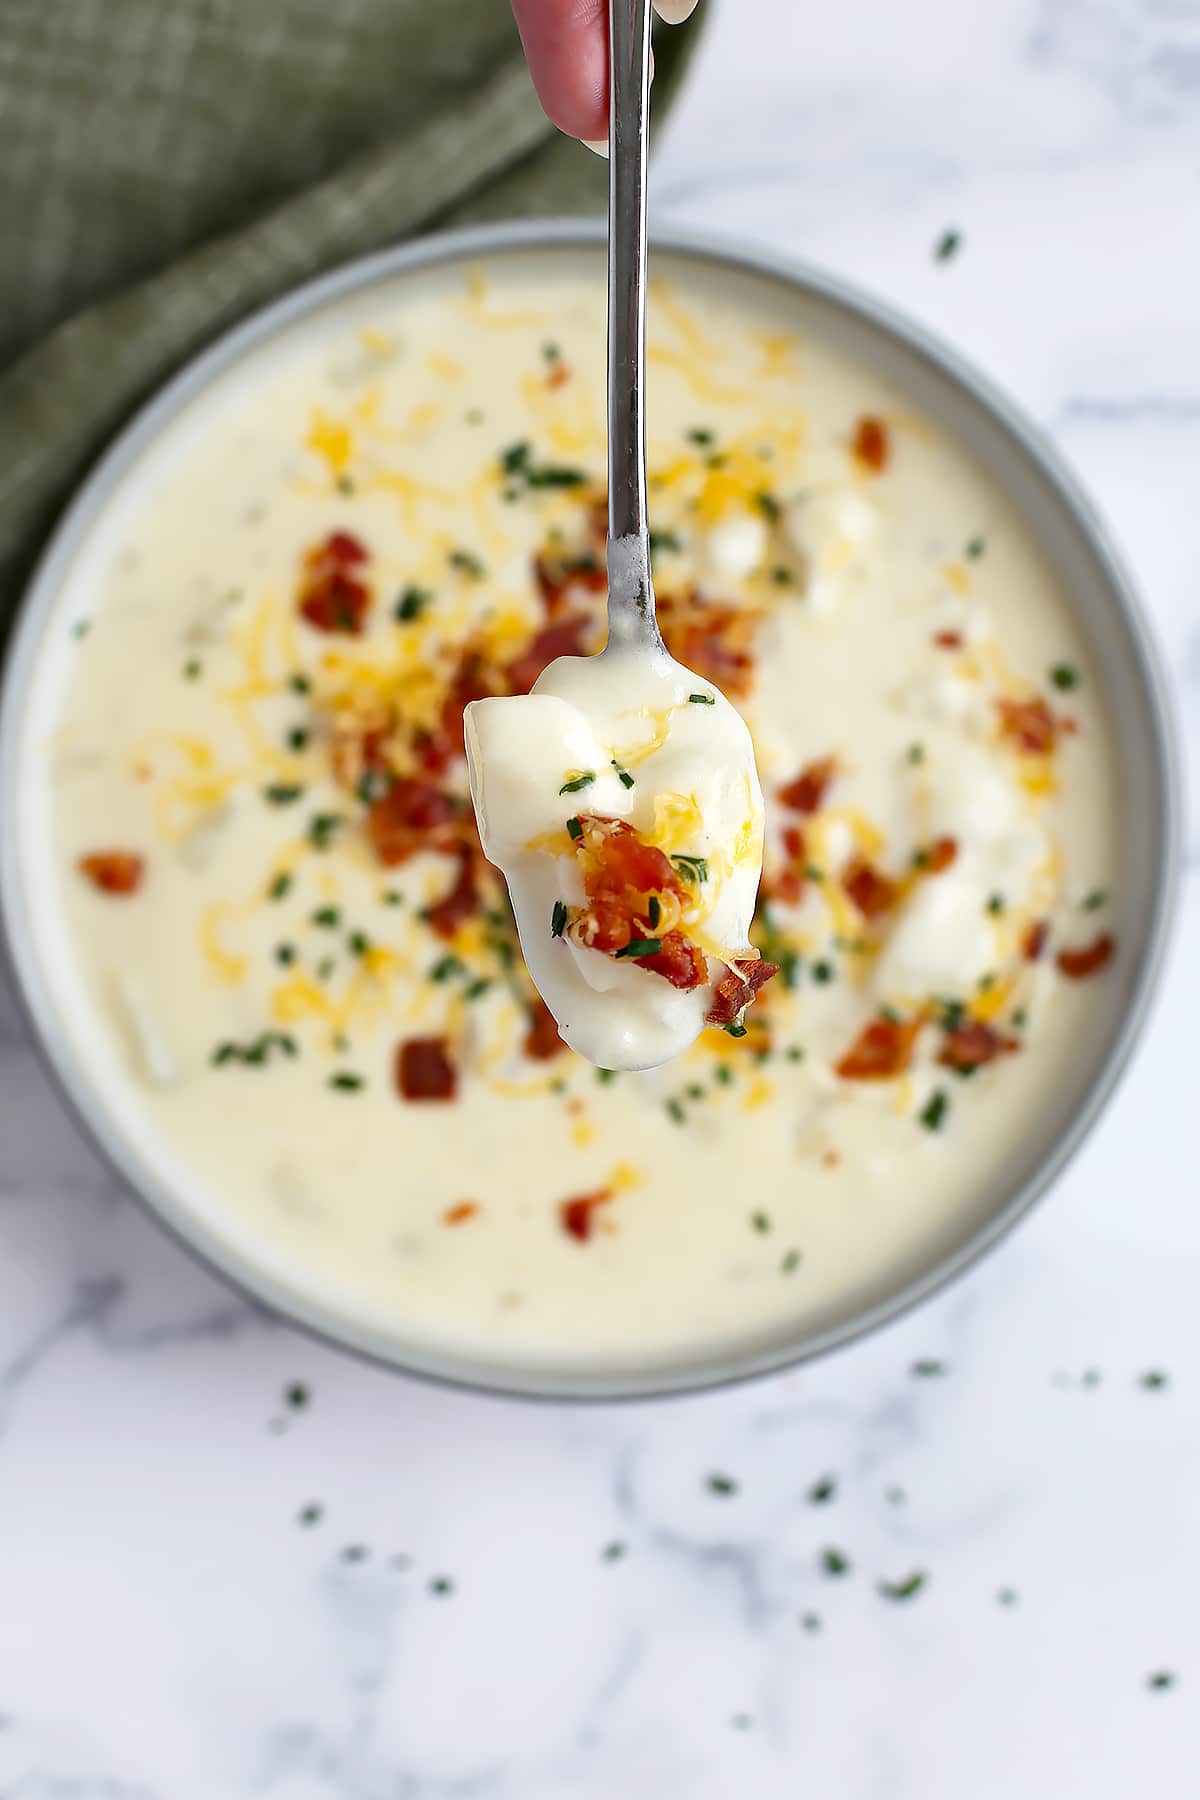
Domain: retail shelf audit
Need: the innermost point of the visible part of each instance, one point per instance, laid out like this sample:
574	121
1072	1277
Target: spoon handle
631	618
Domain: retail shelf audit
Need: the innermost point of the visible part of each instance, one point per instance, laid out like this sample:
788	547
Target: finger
674	12
566	44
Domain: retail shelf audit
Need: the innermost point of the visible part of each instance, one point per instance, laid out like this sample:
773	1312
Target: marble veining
958	1559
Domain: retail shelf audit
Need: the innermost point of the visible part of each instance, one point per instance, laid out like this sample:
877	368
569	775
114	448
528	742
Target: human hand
566	43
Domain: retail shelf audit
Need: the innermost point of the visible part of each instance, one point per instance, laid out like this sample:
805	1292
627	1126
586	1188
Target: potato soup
294	961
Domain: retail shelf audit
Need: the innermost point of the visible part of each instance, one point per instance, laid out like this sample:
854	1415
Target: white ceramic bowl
940	385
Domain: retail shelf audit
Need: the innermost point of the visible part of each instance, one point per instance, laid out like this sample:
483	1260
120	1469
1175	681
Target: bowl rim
33	995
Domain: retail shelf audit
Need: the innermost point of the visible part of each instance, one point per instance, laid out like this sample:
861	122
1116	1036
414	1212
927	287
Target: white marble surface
170	1631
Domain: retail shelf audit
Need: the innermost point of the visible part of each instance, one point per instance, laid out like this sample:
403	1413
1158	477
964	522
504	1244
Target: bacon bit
459	1214
948	640
566	638
424	1070
576	1215
1033	939
788	884
1030	724
943	853
679	961
542	1040
737	988
715	640
830	1158
620	874
555	577
972	1044
344	547
882	1050
558	376
114	871
1078	964
870	891
459	903
805	794
870	445
331	598
411	816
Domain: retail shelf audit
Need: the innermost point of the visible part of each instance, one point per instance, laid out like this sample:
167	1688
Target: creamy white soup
307	976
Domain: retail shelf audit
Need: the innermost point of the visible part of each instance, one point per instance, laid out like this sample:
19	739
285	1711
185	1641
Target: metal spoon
631	616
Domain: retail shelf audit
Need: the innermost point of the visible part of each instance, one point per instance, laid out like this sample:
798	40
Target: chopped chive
279	886
760	1221
322	827
360	943
702	437
574	829
1095	900
934	1113
665	540
641	946
790	1263
735	1029
328	917
995	903
653	910
822	1490
391	898
476	989
975	549
811	1621
466	564
702	700
345	1082
724	1485
906	1588
1064	676
441	1585
579	782
325	968
625	778
297	737
795	1053
823	973
193	669
916	753
674	1110
835	1562
551	352
311	1514
1155	1380
80	628
412	604
927	1367
947	246
724	1075
692	868
285	954
768	505
345	485
281	793
613	1552
605	1076
558	919
1160	1680
446	966
299	684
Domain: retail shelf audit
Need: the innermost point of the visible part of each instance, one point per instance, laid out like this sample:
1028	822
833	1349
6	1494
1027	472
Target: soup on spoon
620	797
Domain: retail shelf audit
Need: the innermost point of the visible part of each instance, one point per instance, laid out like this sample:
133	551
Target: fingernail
674	12
597	146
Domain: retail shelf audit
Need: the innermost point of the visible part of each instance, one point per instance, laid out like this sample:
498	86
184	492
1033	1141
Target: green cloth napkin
169	165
